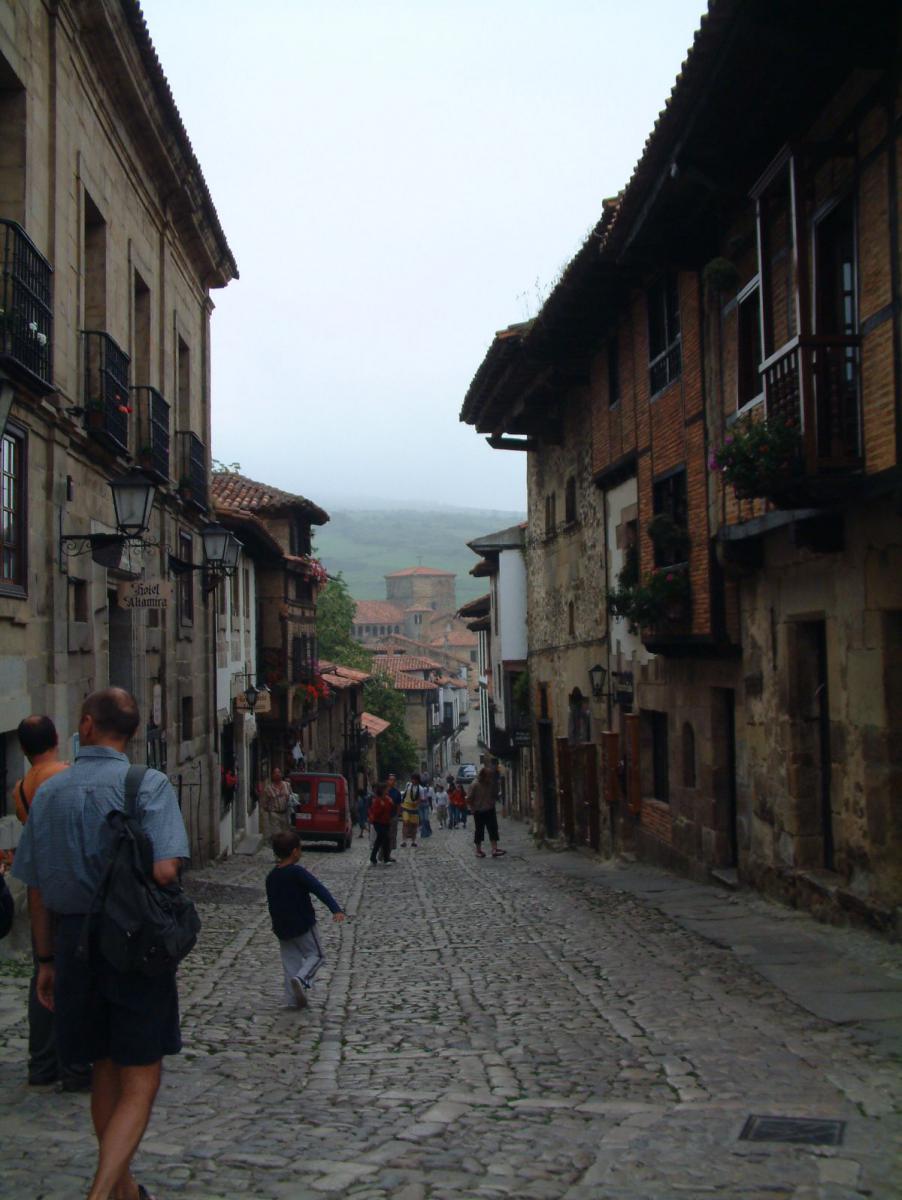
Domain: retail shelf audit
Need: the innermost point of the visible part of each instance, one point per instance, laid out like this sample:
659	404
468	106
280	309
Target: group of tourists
387	808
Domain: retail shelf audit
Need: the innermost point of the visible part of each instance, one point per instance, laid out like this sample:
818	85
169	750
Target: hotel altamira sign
145	593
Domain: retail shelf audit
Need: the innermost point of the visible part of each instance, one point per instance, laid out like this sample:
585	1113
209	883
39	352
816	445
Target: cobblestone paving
482	1029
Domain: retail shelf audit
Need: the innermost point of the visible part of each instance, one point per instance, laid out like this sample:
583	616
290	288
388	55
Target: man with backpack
123	1021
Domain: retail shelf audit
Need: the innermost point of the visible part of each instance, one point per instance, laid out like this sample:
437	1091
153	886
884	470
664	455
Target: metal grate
106	394
810	1131
26	317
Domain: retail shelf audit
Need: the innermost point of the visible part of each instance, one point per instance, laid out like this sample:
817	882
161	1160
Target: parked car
466	772
322	812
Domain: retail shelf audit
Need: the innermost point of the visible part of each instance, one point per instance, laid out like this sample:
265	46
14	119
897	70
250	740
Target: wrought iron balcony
815	382
26	316
192	470
153	433
106	397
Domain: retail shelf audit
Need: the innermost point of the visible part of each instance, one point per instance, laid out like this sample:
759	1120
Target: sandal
480	853
498	853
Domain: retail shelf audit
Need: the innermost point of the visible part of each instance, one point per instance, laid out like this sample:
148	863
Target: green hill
367	545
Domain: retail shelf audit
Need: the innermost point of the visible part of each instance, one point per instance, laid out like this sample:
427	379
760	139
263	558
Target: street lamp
251	695
133	497
597	676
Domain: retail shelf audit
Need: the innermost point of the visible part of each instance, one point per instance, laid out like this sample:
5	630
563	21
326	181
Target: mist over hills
369	543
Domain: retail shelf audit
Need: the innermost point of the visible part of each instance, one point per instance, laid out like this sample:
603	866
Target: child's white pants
302	957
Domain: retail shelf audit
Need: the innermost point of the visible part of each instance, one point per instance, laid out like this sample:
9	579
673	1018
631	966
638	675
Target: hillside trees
395	750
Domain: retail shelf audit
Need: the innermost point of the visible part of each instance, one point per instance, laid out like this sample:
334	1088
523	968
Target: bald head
108	717
37	735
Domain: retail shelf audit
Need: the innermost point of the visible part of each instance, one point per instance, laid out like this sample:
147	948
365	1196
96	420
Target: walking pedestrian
40	744
481	802
380	815
441	804
288	890
121	1021
410	812
394	795
364	797
275	805
426	799
458	802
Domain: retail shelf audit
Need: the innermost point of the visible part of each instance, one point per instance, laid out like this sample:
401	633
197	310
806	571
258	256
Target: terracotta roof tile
237	491
456	637
372	724
404	662
378	612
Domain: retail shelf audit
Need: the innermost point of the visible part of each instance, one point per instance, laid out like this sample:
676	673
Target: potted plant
670	540
721	275
662	598
760	458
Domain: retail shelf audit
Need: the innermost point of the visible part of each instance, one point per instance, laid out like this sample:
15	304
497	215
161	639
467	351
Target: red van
322	813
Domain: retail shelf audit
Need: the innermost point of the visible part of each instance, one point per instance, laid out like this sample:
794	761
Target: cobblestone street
524	1027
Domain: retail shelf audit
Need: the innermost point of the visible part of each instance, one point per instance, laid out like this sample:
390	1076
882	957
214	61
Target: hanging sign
261	708
145	593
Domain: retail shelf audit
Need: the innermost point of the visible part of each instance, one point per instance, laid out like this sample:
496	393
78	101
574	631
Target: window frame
16	586
186	579
750	295
665	500
613	372
664	293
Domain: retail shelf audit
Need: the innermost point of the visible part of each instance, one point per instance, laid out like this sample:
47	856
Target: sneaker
300	992
389	862
403	845
373	862
480	853
413	845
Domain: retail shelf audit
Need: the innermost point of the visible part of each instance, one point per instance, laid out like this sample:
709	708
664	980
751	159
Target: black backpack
134	924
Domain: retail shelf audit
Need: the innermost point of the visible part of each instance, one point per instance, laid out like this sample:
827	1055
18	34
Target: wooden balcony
107	400
26	315
815	381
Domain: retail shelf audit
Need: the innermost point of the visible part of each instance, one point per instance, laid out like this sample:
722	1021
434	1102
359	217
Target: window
664	357
688	755
78	600
571	619
183	382
186	580
302	588
613	372
550	514
246	574
580	718
749	346
187	718
671	536
235	589
303	789
12	514
570	502
141	355
326	794
94	266
298	537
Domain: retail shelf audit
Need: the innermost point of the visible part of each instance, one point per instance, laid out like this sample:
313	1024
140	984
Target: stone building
110	247
288	579
547	414
425	588
735	316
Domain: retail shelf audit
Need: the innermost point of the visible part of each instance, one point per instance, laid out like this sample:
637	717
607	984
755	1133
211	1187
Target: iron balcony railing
816	382
153	433
26	314
192	470
107	398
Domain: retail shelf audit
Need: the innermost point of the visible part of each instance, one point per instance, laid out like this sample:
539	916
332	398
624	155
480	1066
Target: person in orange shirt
40	745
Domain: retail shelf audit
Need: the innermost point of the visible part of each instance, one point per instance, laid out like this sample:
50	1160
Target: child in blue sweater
288	891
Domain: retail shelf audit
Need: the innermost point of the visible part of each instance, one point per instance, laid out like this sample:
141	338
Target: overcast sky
397	180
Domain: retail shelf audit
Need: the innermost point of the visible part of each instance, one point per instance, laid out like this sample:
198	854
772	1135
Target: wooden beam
498	442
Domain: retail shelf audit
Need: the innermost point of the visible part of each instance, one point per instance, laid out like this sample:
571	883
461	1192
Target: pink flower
670	578
728	440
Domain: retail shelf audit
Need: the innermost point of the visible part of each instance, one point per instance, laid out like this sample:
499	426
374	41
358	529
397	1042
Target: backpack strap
134	777
23	798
